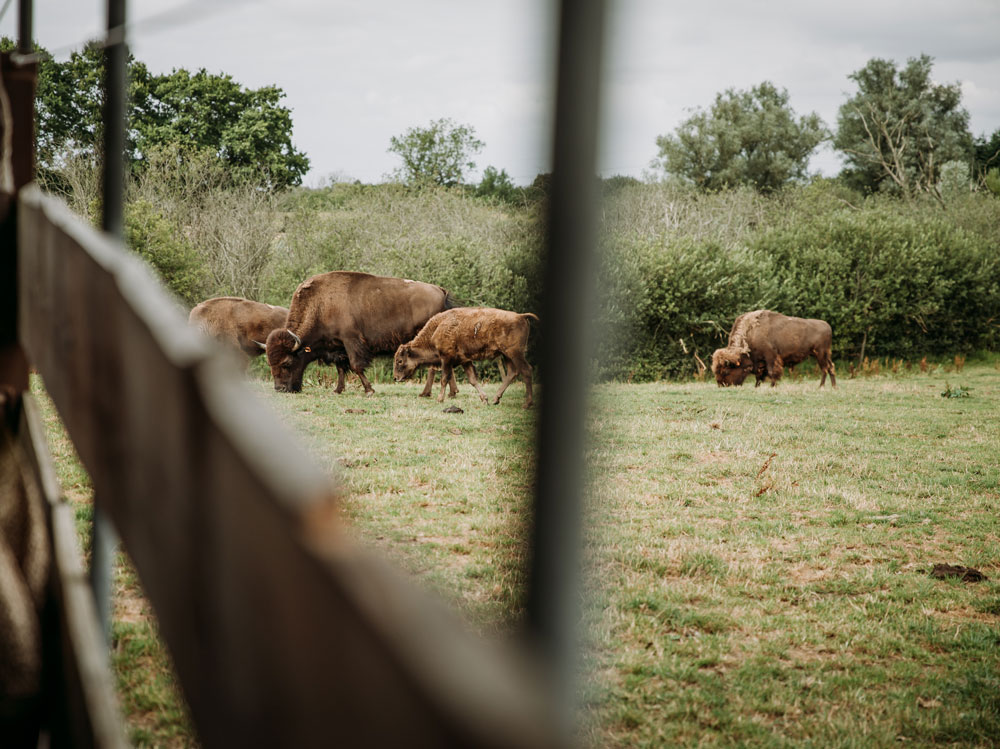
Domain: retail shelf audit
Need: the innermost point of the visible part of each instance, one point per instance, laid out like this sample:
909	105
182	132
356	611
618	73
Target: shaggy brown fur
237	322
25	561
468	334
347	318
763	342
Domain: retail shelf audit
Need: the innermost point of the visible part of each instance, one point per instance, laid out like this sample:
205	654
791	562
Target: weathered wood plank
282	631
82	710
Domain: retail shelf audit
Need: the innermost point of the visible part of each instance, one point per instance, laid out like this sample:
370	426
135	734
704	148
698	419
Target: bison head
404	363
731	366
287	358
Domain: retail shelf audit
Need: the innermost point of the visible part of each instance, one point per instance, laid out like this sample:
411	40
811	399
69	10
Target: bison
237	322
763	342
347	318
467	334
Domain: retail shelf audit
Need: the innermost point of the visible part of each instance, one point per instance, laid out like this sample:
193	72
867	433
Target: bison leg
359	358
825	361
426	392
774	368
447	374
516	365
452	384
470	372
341	376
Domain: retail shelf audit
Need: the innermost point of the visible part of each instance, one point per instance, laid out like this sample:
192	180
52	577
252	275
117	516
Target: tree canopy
745	138
900	127
246	129
439	154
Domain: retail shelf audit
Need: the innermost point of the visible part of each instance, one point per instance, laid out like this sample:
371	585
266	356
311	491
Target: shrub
158	242
889	282
665	302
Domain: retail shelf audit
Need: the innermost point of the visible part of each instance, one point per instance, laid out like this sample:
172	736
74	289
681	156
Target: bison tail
449	300
532	315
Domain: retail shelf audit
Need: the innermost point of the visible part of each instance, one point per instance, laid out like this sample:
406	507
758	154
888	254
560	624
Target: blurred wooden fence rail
283	633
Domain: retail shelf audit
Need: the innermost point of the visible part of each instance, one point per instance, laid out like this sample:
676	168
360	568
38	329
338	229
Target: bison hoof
425	395
495	401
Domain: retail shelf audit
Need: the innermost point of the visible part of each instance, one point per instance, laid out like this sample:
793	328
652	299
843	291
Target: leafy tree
985	155
246	129
900	127
439	154
745	138
497	186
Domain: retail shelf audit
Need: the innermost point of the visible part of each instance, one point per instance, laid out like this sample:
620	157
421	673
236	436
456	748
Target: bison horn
298	341
263	346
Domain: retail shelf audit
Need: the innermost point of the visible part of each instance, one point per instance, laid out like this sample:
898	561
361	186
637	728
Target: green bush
158	242
890	282
485	255
894	278
665	302
992	181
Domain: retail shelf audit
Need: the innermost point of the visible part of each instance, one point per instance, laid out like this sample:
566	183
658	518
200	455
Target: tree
746	137
439	154
245	129
900	127
986	155
497	186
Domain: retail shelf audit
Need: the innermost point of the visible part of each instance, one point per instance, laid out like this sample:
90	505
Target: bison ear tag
307	349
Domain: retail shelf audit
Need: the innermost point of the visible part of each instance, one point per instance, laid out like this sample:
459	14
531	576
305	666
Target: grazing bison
762	343
237	322
346	318
468	334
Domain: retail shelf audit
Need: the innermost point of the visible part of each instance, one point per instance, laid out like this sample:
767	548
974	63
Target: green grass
756	559
759	563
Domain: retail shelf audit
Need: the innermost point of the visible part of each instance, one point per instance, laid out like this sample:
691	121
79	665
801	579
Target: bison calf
468	334
237	322
762	343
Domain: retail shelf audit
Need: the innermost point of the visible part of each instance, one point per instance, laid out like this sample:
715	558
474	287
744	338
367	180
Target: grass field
757	559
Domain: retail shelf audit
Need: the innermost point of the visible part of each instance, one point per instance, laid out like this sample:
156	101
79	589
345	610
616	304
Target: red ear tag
307	350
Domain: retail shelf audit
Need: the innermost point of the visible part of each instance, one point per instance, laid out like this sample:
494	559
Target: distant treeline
893	277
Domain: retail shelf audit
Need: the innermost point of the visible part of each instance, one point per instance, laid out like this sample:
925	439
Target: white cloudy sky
357	73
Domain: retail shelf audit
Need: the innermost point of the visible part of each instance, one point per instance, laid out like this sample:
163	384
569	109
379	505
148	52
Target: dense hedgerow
890	283
893	278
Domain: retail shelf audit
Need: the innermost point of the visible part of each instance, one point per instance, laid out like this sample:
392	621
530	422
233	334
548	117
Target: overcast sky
357	73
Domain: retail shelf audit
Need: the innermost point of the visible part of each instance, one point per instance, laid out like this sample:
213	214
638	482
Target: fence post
104	541
553	594
17	168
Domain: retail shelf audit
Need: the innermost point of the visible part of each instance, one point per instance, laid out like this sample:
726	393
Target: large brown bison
763	342
347	318
237	322
468	334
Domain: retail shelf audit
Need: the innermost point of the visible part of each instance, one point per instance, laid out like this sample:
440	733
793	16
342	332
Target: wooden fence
282	631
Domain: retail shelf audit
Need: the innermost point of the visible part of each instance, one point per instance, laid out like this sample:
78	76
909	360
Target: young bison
763	343
467	334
